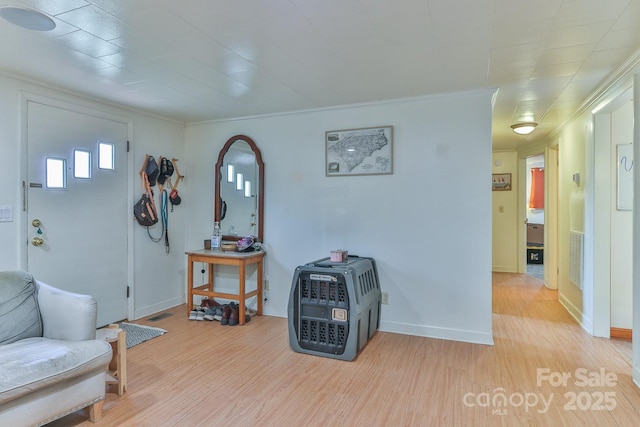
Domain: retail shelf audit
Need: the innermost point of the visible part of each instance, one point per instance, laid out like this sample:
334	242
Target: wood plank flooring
205	374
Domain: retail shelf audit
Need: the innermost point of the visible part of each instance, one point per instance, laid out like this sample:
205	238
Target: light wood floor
205	374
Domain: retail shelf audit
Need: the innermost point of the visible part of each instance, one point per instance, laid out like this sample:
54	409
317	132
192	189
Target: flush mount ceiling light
524	128
27	18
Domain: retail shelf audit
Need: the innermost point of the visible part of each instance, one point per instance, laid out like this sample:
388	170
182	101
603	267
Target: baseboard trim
473	337
157	308
576	313
504	269
621	333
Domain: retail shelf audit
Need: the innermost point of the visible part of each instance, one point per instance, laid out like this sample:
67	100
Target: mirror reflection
236	191
239	185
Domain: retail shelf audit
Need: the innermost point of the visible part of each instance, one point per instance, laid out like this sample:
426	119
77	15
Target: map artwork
359	151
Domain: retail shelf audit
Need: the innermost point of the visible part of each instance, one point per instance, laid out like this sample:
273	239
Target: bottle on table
216	237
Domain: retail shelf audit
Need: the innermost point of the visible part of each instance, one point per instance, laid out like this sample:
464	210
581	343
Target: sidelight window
106	154
82	164
56	176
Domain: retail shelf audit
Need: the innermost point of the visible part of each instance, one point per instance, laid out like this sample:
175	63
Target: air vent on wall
576	253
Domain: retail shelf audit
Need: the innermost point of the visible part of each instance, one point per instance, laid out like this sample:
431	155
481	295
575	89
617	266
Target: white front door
77	205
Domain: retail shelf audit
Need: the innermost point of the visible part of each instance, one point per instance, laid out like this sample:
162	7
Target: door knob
37	241
36	223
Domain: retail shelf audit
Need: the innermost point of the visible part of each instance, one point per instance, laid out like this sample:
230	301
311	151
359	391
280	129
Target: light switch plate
385	298
6	213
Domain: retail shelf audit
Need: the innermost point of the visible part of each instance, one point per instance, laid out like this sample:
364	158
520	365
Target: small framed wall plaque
501	182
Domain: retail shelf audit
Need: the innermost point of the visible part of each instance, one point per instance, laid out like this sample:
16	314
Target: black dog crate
535	256
334	307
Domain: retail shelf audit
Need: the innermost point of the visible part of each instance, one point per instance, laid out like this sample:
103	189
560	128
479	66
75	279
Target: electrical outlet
265	284
385	298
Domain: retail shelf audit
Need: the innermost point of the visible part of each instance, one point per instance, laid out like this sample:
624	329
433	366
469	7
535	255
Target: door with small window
77	204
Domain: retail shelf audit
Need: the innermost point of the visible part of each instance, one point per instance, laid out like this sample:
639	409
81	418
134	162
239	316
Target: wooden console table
213	257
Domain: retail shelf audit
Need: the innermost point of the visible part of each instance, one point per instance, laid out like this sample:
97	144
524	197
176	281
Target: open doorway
622	221
613	222
535	204
614	142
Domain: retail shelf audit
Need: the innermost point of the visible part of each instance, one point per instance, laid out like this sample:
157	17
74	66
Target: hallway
536	270
534	332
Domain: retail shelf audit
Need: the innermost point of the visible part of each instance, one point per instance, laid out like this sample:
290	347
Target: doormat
137	334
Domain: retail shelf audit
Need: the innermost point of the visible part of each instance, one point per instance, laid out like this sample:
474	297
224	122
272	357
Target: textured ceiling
198	60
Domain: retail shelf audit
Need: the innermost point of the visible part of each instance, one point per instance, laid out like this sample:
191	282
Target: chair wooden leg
95	411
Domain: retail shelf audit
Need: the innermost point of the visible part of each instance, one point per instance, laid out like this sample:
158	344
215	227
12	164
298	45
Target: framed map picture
366	151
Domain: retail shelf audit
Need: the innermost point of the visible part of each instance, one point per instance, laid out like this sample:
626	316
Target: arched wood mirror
239	189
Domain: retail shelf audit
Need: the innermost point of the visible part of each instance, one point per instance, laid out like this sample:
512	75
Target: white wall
636	227
505	215
621	228
157	278
587	147
571	207
10	187
428	225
